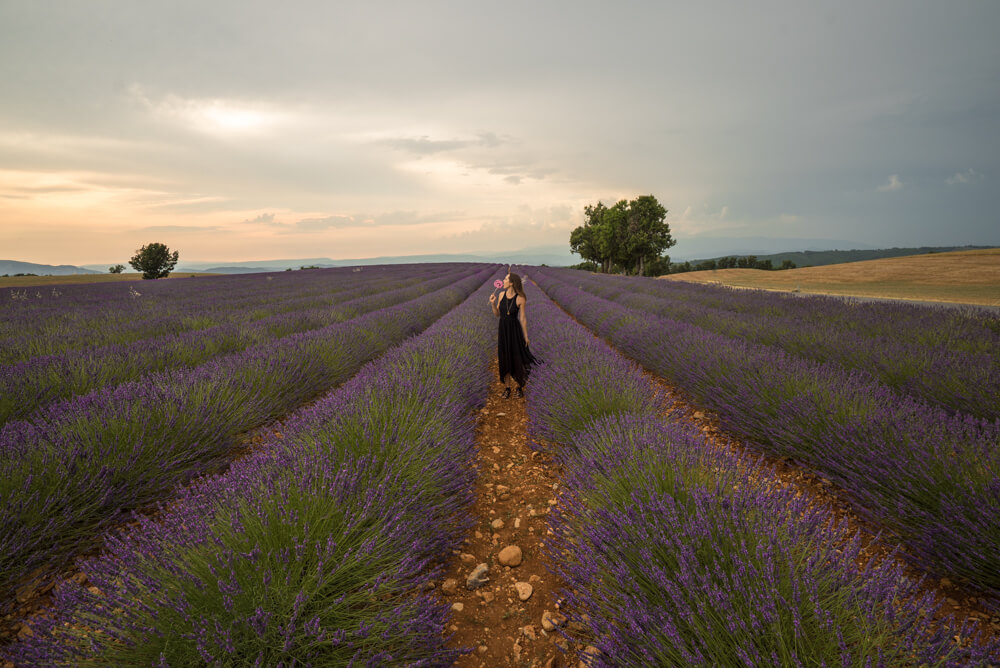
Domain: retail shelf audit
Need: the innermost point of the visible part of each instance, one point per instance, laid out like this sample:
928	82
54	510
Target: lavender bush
313	551
674	552
96	314
71	473
928	475
945	356
28	386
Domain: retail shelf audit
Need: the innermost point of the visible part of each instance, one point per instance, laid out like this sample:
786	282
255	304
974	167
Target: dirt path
515	489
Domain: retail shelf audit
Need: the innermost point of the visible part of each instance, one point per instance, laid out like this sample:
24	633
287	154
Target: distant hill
822	258
11	267
699	247
554	256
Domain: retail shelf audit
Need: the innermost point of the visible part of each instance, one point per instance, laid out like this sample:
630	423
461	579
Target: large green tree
630	235
154	260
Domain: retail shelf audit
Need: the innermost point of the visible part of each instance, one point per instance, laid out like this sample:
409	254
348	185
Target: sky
262	130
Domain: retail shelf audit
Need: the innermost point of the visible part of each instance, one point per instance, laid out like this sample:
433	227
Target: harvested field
969	277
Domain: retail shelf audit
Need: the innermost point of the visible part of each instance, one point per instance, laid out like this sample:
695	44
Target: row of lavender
674	552
315	550
928	475
73	471
91	315
946	356
971	328
28	386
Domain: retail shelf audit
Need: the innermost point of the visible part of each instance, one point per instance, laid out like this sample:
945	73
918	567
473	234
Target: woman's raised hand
493	298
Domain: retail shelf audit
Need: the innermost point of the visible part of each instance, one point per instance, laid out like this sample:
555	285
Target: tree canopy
154	261
631	236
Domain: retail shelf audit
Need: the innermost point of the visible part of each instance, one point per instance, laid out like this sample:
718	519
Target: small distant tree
154	261
116	268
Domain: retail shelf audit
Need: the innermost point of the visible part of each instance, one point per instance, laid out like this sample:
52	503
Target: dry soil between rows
515	489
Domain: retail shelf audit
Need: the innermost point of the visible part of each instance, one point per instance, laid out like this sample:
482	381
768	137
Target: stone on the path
477	578
458	606
502	489
510	556
516	652
450	586
467	558
550	621
592	654
551	663
529	632
497	523
534	578
524	590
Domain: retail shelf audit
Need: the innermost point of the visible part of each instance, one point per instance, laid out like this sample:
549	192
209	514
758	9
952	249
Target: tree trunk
641	271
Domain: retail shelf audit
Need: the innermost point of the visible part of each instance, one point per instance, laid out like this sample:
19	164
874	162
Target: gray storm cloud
778	118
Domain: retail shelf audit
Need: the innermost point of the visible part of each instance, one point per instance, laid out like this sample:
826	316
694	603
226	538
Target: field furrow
926	474
72	473
677	552
314	550
948	357
29	386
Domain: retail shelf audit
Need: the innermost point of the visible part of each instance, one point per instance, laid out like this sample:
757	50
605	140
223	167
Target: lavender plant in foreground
311	552
930	476
676	553
66	479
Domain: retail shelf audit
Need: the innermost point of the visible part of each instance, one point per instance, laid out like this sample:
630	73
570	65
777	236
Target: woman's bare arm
494	305
523	317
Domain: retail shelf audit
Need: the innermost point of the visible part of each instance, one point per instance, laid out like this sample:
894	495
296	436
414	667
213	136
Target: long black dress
512	351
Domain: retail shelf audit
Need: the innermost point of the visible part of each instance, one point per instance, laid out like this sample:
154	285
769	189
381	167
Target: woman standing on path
512	335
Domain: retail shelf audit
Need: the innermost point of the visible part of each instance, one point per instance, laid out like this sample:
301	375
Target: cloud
424	145
329	222
968	176
216	116
179	229
267	219
891	185
367	220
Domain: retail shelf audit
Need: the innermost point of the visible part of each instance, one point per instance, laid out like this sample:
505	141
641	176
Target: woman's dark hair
515	281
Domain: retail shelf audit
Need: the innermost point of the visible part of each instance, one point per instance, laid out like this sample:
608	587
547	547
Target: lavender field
124	420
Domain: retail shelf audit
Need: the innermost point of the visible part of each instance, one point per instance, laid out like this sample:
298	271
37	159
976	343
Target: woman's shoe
520	393
506	393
